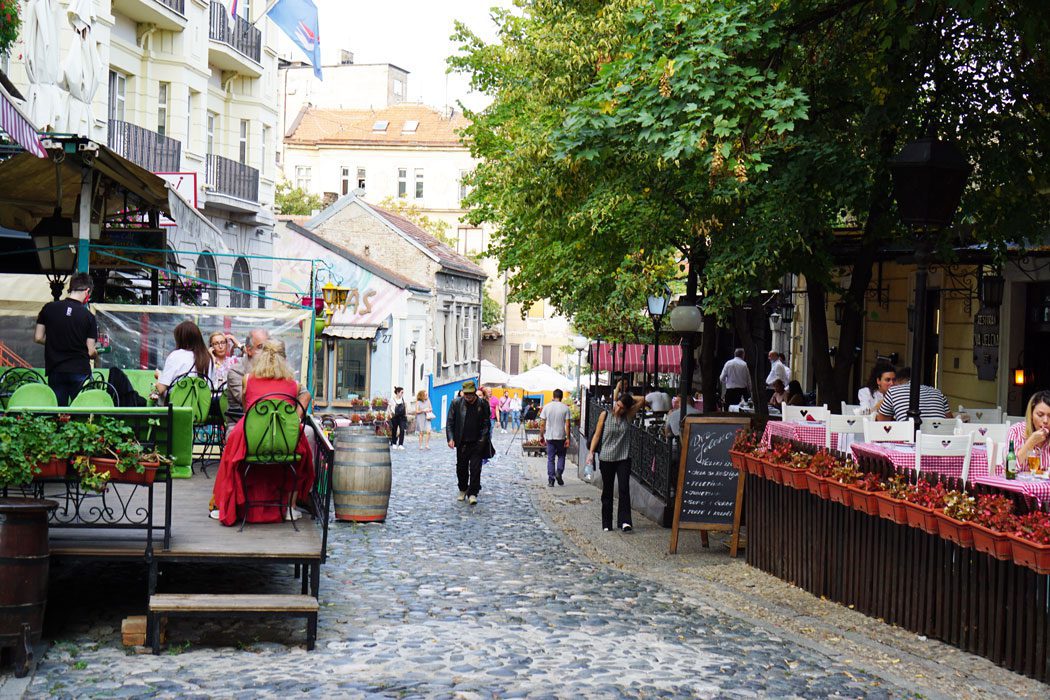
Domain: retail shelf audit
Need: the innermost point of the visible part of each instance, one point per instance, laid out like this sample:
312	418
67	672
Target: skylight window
410	126
380	125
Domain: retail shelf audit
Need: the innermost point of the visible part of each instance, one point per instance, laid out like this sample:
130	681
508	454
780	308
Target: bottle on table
1011	463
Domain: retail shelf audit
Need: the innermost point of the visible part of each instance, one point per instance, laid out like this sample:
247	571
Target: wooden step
207	602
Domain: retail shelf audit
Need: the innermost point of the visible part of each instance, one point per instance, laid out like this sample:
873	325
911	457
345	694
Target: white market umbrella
82	71
40	33
541	378
493	375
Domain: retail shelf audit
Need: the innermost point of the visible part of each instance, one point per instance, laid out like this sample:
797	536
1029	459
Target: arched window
206	271
240	298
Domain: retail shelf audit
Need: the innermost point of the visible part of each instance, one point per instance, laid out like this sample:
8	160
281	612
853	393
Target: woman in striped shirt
615	455
1030	437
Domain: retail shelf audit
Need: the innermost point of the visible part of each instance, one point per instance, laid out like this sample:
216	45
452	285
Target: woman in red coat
268	376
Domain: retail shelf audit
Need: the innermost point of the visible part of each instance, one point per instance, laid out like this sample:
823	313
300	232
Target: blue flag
298	19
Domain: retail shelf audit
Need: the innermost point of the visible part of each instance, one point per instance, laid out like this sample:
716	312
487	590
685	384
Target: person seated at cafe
673	422
1030	435
880	380
794	395
932	403
270	377
657	400
779	395
221	346
189	358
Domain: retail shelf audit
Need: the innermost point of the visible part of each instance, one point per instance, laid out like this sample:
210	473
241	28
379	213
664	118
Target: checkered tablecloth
903	457
809	432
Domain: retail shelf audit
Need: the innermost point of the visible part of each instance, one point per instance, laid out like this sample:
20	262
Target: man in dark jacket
467	430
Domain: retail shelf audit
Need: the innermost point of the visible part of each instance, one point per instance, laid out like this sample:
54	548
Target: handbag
489	451
430	415
601	419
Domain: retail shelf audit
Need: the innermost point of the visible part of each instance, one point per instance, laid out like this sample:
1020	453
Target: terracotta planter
838	492
55	469
991	542
893	509
795	478
739	460
864	501
755	466
106	465
817	485
773	472
922	518
1028	553
954	530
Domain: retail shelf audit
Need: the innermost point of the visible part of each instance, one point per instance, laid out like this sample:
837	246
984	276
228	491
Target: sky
411	34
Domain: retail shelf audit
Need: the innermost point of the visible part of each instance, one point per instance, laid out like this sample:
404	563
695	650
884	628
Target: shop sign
986	343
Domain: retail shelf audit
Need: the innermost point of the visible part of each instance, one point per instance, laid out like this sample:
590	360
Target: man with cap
467	430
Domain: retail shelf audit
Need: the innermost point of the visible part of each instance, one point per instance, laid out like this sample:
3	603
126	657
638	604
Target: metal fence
242	36
177	5
233	178
152	151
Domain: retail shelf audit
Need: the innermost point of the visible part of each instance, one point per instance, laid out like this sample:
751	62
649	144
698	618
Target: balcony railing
154	152
177	5
242	36
233	178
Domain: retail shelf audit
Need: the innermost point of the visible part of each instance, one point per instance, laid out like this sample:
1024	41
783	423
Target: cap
470	387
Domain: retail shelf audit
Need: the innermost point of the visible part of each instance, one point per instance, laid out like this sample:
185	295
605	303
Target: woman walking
611	443
398	419
504	411
424	414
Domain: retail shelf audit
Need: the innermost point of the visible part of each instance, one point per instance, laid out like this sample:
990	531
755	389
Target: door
932	346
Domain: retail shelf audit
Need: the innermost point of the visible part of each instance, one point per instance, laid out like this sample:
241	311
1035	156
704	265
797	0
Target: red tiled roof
356	127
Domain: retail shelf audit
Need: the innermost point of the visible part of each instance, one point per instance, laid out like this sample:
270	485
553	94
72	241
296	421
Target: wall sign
986	343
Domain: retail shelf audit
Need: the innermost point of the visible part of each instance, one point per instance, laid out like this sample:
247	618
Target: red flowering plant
960	506
369	417
9	24
746	441
780	453
926	494
897	485
846	472
868	482
355	418
823	463
1035	527
995	512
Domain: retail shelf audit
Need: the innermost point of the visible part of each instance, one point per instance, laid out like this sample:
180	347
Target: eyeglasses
221	342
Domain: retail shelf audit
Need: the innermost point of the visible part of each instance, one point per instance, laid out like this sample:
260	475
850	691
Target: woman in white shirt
190	357
879	382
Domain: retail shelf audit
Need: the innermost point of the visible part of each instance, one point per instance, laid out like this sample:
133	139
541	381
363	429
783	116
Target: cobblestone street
450	600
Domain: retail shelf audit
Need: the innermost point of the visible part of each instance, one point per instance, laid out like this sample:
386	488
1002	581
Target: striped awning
351	332
18	127
629	357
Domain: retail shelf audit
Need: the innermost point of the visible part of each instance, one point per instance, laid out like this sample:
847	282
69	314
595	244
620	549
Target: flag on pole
298	19
233	8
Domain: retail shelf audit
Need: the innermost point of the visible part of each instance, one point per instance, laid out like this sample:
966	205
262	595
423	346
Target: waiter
68	332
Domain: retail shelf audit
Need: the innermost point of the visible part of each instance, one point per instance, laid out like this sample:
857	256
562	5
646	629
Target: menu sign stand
710	492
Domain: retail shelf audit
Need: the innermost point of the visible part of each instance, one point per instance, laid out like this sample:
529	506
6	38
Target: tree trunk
708	369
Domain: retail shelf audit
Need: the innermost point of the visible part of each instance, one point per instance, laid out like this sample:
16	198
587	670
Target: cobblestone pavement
447	600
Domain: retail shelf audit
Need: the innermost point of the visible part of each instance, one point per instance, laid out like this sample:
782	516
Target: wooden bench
171	605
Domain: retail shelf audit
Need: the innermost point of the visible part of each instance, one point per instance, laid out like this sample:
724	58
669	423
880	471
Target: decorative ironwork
232	178
154	152
957	284
242	36
177	5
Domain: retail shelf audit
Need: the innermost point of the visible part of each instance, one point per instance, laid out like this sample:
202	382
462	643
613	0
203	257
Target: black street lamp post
657	307
929	176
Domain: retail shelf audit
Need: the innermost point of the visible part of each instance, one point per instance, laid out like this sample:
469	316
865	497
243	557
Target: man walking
554	424
467	431
68	332
736	378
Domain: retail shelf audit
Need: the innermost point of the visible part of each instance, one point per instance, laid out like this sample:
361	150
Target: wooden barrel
24	558
361	476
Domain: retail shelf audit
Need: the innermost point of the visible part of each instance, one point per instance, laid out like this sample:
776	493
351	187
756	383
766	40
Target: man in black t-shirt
68	331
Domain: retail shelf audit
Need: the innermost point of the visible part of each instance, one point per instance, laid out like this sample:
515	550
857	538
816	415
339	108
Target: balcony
228	177
169	15
148	149
236	48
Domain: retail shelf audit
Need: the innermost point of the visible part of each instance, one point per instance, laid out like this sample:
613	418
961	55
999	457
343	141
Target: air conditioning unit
467	333
529	346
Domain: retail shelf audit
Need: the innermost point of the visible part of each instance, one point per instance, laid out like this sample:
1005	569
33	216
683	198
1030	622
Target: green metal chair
93	398
195	393
15	377
272	429
32	396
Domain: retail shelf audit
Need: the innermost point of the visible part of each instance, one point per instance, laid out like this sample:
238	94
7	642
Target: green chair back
13	378
194	392
32	396
93	398
271	431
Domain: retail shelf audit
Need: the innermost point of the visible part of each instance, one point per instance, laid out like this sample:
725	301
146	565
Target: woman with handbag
424	414
612	446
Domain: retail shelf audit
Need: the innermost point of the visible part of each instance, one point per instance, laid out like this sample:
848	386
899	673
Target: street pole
656	351
685	389
922	266
579	368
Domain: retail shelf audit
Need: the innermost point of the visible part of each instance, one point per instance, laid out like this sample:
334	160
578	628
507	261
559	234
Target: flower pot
864	501
991	542
838	492
754	465
772	471
953	530
54	469
107	465
795	478
817	485
893	509
739	460
921	517
1028	553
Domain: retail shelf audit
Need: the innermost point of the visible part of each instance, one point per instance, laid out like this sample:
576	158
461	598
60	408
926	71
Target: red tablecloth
810	432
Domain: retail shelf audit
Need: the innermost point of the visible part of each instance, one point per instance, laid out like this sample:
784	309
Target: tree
491	310
295	200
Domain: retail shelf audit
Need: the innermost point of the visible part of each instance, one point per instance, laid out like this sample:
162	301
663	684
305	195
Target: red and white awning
18	127
629	358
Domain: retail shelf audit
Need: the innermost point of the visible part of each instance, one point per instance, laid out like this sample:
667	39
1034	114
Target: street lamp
929	176
991	290
657	308
580	343
54	241
787	312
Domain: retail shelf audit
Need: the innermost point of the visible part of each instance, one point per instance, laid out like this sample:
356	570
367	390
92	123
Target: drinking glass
1035	464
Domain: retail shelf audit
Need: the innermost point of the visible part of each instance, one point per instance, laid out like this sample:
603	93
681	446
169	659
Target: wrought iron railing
154	152
177	5
232	178
242	36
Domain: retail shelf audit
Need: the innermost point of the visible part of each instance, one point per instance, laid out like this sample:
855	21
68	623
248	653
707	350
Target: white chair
889	430
983	432
983	414
800	414
842	425
1013	420
852	409
943	446
941	426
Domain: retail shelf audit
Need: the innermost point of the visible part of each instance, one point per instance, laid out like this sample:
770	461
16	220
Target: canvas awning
351	332
18	127
491	374
629	358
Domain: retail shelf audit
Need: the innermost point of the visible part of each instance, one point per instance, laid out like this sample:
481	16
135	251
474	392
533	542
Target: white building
188	90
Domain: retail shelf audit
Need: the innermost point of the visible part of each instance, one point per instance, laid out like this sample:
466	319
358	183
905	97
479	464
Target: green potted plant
379	403
109	451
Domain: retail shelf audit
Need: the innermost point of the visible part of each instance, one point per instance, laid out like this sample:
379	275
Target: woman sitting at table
189	358
879	381
269	377
794	396
779	395
1030	437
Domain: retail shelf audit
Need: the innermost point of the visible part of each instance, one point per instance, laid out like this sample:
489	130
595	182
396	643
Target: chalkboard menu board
709	493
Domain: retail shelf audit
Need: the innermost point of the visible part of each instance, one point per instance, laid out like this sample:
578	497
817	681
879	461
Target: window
246	9
419	183
546	354
118	87
206	271
242	143
464	188
380	126
410	126
213	125
399	88
470	240
163	89
262	297
262	154
241	298
402	182
191	109
351	368
344	180
303	177
515	359
360	178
